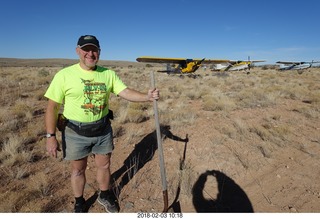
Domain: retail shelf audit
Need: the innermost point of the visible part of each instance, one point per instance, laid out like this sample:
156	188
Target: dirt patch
255	152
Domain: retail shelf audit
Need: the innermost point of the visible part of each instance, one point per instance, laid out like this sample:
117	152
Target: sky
271	30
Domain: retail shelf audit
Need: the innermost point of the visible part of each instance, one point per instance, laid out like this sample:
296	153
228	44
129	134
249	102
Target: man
84	90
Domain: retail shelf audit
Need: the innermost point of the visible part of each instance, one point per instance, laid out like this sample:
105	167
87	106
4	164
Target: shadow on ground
142	153
230	197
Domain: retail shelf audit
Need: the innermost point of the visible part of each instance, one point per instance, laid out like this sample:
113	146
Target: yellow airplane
182	65
235	65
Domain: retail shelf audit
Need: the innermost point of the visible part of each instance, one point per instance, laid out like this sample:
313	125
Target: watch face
49	135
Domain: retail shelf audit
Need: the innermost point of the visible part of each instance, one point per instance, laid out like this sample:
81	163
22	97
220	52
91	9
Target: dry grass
233	120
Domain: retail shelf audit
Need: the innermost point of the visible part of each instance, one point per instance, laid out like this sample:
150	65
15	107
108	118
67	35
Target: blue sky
271	30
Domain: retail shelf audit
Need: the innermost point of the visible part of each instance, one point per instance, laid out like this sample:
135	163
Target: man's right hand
53	146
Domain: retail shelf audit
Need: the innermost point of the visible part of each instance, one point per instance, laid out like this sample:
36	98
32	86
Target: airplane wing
215	61
254	61
178	60
289	63
295	63
160	59
245	61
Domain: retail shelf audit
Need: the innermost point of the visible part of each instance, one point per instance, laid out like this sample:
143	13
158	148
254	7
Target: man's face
89	56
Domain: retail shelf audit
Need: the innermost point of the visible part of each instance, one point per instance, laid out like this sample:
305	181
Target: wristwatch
48	135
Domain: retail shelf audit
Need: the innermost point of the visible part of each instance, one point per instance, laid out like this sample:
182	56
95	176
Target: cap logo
88	38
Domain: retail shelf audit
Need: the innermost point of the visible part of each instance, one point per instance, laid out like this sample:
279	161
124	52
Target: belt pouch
90	130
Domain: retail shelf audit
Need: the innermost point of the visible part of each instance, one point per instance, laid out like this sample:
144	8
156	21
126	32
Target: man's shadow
230	197
142	153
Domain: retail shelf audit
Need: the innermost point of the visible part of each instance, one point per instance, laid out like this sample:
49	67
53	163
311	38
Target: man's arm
51	117
136	96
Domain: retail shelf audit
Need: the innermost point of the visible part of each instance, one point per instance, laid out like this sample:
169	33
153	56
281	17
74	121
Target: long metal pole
160	149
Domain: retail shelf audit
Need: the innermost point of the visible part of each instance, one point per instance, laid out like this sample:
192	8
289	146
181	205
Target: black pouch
90	130
62	122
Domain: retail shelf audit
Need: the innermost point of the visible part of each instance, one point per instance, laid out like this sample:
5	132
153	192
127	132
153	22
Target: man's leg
103	171
78	181
78	176
106	197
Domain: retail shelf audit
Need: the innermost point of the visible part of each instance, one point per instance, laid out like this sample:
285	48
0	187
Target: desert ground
232	142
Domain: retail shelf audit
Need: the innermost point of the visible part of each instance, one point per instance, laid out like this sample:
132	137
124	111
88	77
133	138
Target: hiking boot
79	208
109	203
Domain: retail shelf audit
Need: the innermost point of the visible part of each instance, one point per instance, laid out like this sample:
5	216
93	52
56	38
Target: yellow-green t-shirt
85	94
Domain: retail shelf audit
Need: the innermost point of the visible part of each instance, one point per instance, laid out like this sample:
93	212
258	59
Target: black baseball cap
88	40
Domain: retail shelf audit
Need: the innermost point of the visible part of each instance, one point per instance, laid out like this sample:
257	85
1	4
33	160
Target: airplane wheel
194	76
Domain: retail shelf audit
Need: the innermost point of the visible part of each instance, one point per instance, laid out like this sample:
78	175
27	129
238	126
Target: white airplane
284	65
235	65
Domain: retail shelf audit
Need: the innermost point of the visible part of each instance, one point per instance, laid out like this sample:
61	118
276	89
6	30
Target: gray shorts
76	147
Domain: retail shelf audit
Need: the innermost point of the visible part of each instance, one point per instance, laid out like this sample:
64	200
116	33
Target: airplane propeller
249	65
197	65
